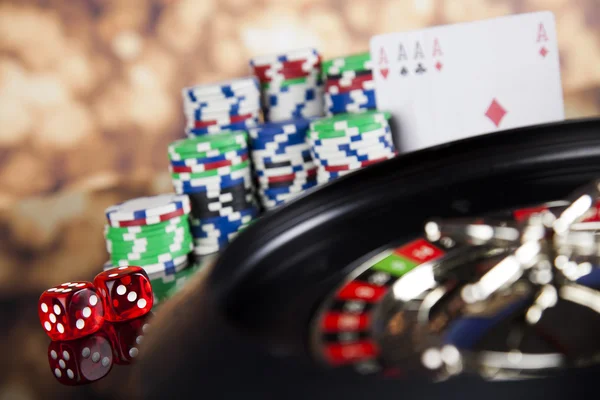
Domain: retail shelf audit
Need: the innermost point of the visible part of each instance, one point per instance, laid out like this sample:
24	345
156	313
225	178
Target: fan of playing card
451	82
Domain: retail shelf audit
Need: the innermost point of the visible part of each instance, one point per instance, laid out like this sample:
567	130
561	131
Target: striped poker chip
222	120
298	175
206	223
288	189
352	160
203	144
220	90
372	151
216	157
269	129
280	143
349	74
341	102
283	197
213	129
168	267
147	210
377	142
202	167
289	69
336	89
351	135
285	151
344	84
324	176
355	165
345	121
237	113
286	170
285	57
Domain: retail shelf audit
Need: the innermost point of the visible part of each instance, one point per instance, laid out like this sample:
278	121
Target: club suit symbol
420	69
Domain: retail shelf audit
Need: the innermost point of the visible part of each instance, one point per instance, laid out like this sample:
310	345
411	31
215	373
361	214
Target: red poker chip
231	120
295	65
334	89
283	73
144	221
209	166
343	84
338	168
291	177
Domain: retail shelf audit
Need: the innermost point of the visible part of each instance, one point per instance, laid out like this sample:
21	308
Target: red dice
126	338
126	293
71	310
81	361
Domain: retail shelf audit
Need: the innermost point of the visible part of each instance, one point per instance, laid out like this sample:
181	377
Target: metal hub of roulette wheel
467	263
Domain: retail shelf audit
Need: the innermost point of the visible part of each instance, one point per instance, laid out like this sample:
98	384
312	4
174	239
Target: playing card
450	82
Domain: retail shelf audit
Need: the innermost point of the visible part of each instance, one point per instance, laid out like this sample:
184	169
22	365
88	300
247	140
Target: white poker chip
293	55
222	89
150	208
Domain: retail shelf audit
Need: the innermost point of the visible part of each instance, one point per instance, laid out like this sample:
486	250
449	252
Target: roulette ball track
252	324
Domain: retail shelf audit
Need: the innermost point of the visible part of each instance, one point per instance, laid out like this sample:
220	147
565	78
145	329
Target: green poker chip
342	122
288	82
118	259
147	231
225	141
123	249
183	155
211	173
350	131
355	62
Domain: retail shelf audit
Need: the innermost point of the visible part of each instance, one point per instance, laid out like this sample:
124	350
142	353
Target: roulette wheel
472	265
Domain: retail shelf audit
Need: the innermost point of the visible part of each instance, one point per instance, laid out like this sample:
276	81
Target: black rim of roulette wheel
291	277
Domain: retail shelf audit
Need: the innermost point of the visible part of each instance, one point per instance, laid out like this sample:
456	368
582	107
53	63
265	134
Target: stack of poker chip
150	232
349	84
347	142
282	161
214	171
291	84
230	105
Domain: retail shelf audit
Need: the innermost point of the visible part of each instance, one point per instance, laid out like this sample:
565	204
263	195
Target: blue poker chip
187	187
207	160
290	126
302	157
348	139
287	170
274	192
310	94
292	55
265	144
233	110
324	162
237	126
343	102
232	88
347	147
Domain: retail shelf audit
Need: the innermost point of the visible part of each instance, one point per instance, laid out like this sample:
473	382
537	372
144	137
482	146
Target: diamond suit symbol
543	51
439	65
495	112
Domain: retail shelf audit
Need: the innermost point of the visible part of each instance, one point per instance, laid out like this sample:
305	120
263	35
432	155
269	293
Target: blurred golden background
90	98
